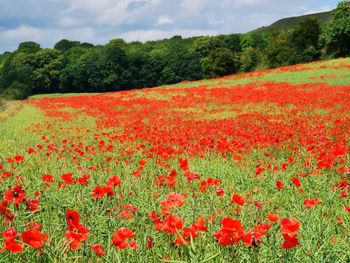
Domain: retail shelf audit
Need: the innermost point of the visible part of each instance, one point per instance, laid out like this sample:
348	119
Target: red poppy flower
76	237
284	166
142	162
11	244
120	238
119	242
343	194
34	238
255	235
133	244
6	174
153	216
68	178
32	204
279	185
231	232
128	211
219	191
114	181
108	190
273	217
73	219
174	200
171	181
31	151
98	250
258	205
237	199
200	225
170	225
83	181
288	230
47	178
5	211
33	225
98	192
289	226
16	195
18	158
190	176
149	242
207	183
310	203
290	241
296	182
183	164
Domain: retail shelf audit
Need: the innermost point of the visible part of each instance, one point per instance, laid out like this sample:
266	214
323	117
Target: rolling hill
291	22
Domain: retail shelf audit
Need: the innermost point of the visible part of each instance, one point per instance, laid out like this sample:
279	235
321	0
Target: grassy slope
291	22
323	71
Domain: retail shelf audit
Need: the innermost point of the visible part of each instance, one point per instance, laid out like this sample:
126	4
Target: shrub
17	91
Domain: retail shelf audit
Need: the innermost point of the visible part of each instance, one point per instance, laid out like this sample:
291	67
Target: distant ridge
291	22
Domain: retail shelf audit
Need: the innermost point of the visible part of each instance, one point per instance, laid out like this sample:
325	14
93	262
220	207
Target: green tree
307	34
65	44
337	34
232	42
47	65
29	47
17	67
249	59
279	52
305	40
16	91
103	68
72	76
180	64
204	45
220	62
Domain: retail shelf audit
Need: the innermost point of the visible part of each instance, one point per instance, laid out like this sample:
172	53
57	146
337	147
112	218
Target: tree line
72	66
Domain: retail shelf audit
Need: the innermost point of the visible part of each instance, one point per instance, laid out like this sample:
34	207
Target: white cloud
98	21
323	8
145	35
68	21
49	36
164	20
214	21
194	6
89	5
116	14
112	12
22	32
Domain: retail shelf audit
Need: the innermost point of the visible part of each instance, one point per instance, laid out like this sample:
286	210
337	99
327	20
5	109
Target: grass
247	137
59	95
292	22
306	73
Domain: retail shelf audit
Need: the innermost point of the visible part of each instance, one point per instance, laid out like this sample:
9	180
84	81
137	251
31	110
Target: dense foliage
72	66
337	35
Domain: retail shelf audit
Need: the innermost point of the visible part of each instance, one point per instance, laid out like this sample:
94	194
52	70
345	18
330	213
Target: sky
98	21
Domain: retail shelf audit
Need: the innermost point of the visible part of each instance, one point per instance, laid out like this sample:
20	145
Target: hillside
291	22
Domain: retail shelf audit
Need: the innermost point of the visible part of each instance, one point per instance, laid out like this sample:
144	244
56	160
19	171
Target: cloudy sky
97	21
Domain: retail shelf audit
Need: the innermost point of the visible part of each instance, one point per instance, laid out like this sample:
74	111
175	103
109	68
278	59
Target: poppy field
245	168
